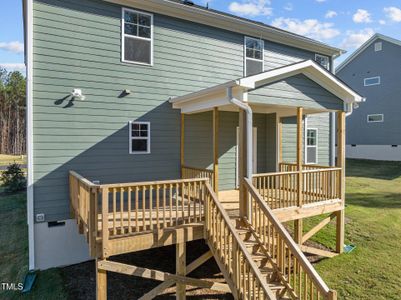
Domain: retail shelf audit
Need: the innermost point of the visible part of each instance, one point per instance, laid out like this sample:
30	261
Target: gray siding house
107	80
374	129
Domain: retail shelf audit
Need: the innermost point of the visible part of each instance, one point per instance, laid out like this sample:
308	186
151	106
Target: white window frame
378	46
259	60
138	138
324	56
378	83
316	146
123	10
371	115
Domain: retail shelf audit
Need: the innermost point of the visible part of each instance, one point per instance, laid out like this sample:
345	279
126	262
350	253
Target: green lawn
373	217
373	224
14	252
5	160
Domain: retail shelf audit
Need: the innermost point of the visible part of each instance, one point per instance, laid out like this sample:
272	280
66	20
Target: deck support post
298	224
242	164
180	269
182	144
216	149
101	282
340	220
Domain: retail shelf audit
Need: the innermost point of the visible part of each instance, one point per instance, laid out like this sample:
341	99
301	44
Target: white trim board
365	46
29	129
374	152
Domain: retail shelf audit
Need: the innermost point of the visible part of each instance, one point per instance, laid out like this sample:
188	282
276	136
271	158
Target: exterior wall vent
378	46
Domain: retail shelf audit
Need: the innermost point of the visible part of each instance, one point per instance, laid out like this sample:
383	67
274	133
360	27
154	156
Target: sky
341	23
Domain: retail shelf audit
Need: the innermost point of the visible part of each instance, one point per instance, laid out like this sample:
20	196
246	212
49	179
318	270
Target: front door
254	156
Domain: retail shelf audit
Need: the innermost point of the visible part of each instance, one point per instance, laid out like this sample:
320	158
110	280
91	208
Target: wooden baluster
122	231
129	191
136	209
171	203
150	207
189	201
164	205
144	208
157	190
114	211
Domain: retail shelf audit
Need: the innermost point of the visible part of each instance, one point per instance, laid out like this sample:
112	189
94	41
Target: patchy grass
373	224
5	160
14	252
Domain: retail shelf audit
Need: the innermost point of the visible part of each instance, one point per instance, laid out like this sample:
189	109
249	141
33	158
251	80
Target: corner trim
29	129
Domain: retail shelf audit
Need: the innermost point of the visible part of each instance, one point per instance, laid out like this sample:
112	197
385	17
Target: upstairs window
254	56
311	146
371	81
137	37
378	46
139	137
375	118
323	60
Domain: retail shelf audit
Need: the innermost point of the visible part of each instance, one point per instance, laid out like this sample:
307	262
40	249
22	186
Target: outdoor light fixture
77	93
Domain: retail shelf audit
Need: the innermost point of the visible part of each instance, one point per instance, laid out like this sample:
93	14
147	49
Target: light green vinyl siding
77	44
296	91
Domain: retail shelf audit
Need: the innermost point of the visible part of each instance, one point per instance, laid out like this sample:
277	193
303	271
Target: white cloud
13	66
362	16
393	13
289	7
330	14
382	22
309	27
251	8
354	39
15	47
320	1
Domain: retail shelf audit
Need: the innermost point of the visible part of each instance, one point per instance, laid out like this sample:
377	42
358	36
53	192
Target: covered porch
293	189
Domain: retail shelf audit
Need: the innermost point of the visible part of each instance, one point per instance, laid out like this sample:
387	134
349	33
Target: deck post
216	149
182	144
180	269
298	224
242	165
101	282
341	164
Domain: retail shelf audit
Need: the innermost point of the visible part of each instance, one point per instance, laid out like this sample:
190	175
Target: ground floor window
311	146
139	137
375	118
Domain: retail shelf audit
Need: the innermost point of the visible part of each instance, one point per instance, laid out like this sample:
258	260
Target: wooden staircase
258	257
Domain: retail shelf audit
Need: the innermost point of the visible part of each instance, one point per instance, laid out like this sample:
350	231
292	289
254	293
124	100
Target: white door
254	156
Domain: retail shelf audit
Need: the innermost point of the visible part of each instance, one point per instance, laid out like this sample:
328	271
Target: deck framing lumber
298	223
317	228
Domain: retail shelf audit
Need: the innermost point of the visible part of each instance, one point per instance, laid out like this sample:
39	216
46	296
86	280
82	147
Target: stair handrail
290	243
240	244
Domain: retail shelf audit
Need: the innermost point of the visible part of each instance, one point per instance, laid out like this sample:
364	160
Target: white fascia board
231	23
366	45
312	71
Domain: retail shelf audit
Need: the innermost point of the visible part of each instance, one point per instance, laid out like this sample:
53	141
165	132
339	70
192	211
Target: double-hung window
254	56
311	146
139	137
323	60
137	37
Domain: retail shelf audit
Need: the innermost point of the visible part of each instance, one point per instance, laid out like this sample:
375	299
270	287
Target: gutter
249	128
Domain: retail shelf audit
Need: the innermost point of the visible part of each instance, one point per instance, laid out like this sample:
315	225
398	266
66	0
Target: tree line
12	112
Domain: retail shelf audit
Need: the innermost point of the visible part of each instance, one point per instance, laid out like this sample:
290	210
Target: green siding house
108	82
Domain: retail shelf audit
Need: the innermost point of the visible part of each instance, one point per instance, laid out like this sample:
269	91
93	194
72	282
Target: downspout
249	129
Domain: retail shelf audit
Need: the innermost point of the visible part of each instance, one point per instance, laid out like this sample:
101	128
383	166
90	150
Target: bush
13	179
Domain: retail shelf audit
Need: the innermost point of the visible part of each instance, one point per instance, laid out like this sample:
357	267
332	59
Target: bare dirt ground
80	280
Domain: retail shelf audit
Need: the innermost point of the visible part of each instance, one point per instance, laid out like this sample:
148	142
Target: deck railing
280	189
291	167
231	253
302	280
188	172
113	210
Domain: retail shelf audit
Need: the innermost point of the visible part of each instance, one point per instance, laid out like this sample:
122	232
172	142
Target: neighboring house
111	85
374	71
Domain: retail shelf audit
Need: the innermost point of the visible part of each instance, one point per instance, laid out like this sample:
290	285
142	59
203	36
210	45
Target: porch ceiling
217	96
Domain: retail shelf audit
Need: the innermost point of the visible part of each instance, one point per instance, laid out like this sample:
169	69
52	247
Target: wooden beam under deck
163	237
